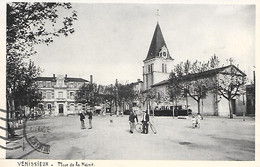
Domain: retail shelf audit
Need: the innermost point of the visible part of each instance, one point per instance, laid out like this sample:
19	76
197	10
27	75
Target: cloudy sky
112	40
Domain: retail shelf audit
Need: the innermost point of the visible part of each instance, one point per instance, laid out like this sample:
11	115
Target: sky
112	40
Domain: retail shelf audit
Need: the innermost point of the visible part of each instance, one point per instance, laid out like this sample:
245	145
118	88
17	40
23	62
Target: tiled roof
203	74
66	79
45	79
75	80
156	44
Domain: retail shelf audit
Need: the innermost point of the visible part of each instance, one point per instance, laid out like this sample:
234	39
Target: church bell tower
158	63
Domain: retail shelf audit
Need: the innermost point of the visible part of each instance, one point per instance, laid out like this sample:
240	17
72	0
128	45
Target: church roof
156	44
204	74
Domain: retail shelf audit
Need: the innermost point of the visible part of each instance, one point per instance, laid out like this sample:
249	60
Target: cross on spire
231	61
157	14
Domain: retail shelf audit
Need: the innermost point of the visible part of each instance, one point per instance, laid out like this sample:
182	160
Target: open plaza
218	138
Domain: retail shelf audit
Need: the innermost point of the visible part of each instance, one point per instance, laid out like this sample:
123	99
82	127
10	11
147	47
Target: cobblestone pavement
216	139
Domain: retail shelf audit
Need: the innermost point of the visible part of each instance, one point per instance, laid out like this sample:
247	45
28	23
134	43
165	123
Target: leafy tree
229	85
184	82
175	88
35	23
89	93
109	96
126	94
29	24
21	86
197	89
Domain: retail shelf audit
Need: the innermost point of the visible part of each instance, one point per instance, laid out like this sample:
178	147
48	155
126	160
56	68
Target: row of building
59	91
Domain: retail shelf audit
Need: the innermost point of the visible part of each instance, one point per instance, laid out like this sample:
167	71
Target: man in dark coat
132	118
81	118
145	122
90	115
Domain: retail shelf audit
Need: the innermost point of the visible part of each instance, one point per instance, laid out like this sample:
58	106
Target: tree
197	89
89	93
126	94
175	88
109	96
29	24
22	90
185	81
229	85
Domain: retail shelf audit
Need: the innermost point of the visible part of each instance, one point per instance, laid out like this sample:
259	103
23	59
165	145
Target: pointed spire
157	44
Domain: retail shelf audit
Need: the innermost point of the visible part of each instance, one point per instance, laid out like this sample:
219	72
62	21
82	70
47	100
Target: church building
157	67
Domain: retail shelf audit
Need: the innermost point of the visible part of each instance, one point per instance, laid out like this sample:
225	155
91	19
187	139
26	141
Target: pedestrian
193	120
81	118
111	120
145	122
132	118
199	117
90	115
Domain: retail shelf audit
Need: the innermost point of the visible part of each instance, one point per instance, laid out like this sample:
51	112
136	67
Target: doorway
61	109
233	105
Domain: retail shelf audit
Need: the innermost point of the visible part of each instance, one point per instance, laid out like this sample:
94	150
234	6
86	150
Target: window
52	94
49	106
40	106
48	84
43	94
48	95
60	83
148	68
44	84
151	68
40	84
165	70
162	67
71	95
72	107
60	94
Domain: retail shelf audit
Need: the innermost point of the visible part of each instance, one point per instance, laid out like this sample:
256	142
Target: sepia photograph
130	81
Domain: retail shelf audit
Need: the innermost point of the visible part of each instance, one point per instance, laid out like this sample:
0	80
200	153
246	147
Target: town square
116	81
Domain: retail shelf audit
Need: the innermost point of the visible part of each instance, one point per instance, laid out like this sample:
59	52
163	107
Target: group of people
145	121
82	117
196	121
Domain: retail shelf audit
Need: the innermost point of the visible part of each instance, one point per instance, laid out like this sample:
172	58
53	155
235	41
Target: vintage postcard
128	83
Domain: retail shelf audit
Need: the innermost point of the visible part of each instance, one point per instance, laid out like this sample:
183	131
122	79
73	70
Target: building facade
58	95
158	63
157	67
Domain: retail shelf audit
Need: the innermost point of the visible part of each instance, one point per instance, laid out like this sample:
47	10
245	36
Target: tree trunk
230	109
173	110
187	102
198	101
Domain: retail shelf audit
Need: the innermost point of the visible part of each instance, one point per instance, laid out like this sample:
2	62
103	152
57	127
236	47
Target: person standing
90	115
145	122
132	118
81	118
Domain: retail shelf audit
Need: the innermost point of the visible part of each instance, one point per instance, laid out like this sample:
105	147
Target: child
198	120
193	119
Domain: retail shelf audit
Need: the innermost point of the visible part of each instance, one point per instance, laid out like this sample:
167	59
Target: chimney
91	79
54	76
138	80
65	76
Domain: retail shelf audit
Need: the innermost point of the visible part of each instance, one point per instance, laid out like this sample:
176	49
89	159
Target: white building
158	64
58	94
